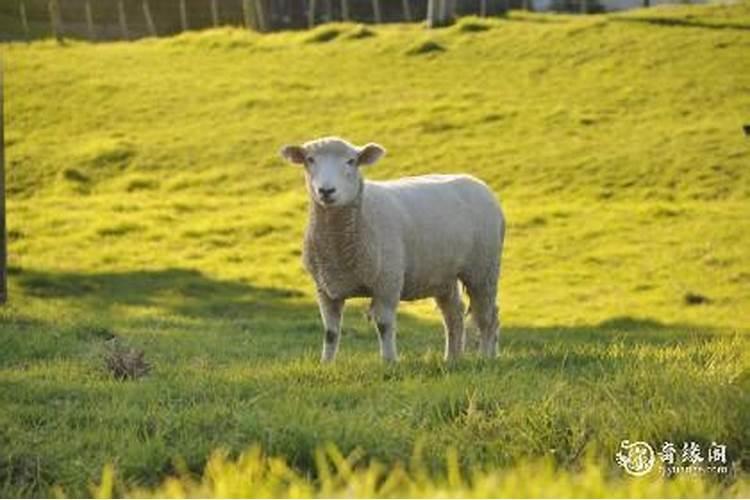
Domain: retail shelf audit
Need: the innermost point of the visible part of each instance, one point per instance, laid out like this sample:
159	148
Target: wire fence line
131	19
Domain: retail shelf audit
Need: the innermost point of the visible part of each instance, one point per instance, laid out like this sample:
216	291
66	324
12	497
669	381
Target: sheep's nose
326	192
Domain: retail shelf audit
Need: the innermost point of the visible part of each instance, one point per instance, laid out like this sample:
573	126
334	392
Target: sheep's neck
336	244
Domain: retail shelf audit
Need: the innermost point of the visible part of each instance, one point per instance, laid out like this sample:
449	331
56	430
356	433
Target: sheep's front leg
331	312
384	314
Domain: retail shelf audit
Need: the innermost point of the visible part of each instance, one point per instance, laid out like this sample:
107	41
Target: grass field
148	207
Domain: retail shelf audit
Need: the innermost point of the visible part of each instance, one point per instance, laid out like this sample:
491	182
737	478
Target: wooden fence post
24	19
407	11
311	14
3	229
376	11
246	14
122	19
435	13
439	13
344	10
446	10
55	19
260	15
149	19
251	19
215	13
89	20
183	15
482	8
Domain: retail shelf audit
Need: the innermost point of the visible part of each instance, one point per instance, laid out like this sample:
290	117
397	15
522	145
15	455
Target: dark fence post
24	19
449	11
260	15
376	11
344	10
90	20
440	13
149	19
254	15
407	11
311	14
247	20
183	15
215	13
3	229
55	19
122	19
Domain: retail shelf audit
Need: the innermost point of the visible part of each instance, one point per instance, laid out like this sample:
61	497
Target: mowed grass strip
148	208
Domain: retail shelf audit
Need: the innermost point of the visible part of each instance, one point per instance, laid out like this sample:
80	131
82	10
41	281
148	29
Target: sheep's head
332	168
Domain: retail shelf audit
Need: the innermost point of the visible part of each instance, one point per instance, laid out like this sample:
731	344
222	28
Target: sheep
405	239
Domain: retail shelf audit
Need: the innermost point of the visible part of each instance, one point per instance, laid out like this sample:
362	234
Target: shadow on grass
190	293
683	23
535	19
269	325
185	292
606	347
626	330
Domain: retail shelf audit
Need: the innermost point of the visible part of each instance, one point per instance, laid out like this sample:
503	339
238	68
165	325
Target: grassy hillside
148	207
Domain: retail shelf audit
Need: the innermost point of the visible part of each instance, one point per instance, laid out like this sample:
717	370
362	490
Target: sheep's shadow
188	293
556	345
184	292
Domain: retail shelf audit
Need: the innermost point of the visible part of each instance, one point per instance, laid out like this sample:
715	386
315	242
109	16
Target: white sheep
405	239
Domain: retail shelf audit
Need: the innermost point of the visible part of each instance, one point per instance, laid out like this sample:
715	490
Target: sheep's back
443	222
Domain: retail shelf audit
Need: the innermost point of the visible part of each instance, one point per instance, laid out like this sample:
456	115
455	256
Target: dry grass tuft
125	363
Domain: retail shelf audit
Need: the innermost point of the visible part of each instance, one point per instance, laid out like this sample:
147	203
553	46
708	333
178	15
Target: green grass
147	204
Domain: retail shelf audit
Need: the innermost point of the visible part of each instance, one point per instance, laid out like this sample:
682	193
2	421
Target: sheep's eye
310	160
350	162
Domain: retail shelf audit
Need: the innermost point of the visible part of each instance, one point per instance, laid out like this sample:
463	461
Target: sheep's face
332	168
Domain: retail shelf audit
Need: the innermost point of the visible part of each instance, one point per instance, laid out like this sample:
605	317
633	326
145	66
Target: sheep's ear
293	154
370	153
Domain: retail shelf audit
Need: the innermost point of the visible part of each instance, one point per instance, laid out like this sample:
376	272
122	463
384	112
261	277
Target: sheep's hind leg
483	306
453	319
384	314
488	321
331	312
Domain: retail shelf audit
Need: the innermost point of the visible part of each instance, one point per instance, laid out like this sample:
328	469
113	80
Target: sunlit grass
254	475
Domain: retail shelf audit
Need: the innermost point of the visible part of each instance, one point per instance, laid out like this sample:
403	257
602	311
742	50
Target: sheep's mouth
327	201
